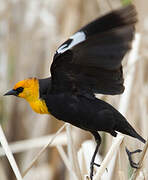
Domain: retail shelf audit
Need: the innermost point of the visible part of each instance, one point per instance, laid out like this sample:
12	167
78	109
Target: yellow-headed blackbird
88	62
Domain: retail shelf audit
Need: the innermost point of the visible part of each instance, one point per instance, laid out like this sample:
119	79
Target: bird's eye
20	89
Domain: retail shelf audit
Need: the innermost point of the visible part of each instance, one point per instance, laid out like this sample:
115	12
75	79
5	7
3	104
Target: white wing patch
75	39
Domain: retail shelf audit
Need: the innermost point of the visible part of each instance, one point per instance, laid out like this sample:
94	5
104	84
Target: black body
90	114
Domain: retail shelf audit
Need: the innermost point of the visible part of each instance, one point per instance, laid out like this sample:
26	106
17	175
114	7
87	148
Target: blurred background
30	32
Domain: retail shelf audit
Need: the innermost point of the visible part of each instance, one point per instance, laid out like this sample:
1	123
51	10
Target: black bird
88	62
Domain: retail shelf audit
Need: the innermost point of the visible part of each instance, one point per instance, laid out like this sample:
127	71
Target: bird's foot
92	169
98	165
132	163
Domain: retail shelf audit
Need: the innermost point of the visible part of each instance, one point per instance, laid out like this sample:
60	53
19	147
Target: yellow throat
31	94
39	106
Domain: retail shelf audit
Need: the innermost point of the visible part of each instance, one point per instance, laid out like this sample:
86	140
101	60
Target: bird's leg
98	141
132	163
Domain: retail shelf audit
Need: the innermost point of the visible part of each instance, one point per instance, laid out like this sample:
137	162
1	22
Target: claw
136	151
132	163
98	165
92	168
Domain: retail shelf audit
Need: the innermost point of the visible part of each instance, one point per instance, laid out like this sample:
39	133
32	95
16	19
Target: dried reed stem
133	56
72	153
20	146
9	155
66	161
85	155
114	148
43	150
82	162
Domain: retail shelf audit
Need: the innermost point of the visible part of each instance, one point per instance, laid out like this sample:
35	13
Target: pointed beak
11	92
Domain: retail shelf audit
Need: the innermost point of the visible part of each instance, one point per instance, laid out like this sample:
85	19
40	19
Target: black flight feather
91	60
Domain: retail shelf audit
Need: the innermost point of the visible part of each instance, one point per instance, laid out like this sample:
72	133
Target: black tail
124	127
131	132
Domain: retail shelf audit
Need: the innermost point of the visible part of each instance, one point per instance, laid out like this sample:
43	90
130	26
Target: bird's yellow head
29	90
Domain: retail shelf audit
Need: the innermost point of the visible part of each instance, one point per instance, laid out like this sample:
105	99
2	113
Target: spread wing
90	60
